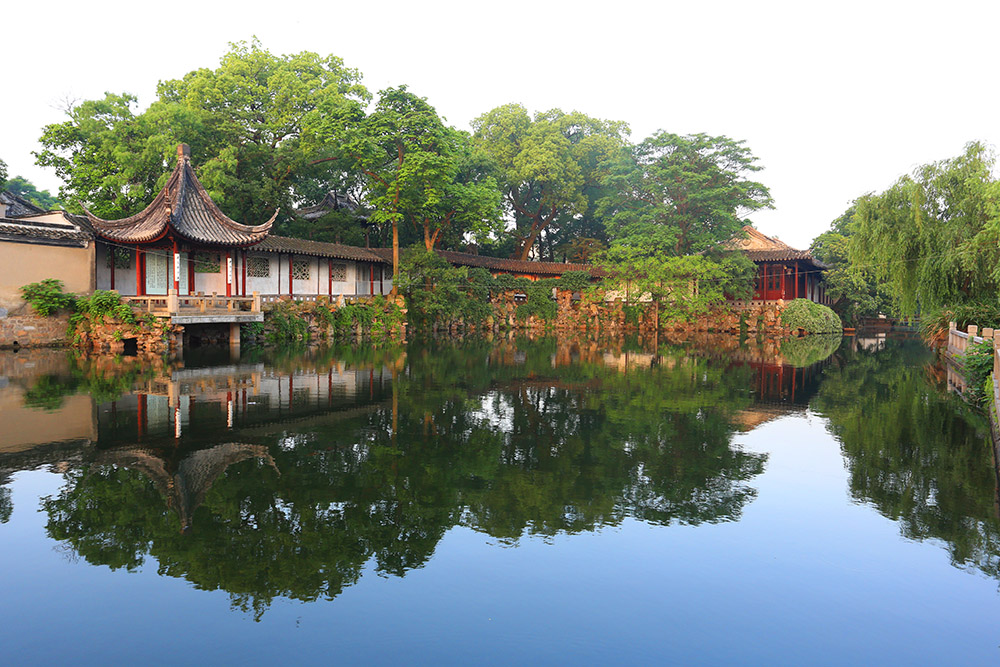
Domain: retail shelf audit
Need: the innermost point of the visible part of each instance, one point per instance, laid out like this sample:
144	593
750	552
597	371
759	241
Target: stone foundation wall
106	335
583	312
30	330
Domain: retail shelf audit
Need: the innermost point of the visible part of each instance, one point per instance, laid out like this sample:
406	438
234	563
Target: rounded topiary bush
810	317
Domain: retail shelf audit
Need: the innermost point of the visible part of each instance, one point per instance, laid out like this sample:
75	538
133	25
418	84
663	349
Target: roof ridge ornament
183	153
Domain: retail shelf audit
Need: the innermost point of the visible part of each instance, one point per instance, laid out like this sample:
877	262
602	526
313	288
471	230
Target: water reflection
285	474
918	454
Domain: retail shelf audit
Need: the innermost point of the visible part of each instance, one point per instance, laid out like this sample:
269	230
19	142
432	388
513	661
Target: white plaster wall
304	287
268	285
124	278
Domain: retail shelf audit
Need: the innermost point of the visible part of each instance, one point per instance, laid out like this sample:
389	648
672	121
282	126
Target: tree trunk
395	260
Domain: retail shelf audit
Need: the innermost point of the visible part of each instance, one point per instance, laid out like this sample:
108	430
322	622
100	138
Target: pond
498	501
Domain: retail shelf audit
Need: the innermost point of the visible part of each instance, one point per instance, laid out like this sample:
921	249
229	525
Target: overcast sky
835	99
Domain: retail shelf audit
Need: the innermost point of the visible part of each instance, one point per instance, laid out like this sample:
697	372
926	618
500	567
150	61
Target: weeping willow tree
932	237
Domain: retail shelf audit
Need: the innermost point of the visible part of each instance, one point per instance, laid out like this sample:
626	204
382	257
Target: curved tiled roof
761	248
333	201
184	206
48	233
500	263
17	206
285	244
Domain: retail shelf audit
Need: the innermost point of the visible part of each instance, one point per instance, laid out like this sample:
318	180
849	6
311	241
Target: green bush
105	303
810	317
978	364
47	297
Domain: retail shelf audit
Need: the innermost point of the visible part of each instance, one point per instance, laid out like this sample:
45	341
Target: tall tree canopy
853	288
416	168
244	122
683	193
25	189
934	236
546	164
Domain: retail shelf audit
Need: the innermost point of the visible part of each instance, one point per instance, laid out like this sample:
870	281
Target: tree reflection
507	438
916	453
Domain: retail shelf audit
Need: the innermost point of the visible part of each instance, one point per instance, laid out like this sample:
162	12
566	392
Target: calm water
498	502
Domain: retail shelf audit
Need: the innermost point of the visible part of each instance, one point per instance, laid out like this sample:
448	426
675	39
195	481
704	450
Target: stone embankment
30	330
111	336
584	312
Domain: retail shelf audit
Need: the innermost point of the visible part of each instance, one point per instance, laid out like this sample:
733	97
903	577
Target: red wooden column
191	272
329	275
177	270
782	269
796	291
138	271
291	258
244	265
371	279
111	252
229	273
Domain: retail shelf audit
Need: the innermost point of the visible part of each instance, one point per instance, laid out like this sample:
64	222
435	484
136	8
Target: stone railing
337	299
193	304
959	341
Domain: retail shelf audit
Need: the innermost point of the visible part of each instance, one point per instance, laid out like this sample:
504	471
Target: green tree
682	193
546	164
682	288
933	238
3	173
244	122
25	189
854	289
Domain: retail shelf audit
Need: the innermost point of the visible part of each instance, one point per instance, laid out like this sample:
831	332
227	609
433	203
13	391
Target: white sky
835	99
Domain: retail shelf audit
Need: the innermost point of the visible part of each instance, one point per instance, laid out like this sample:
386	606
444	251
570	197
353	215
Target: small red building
783	273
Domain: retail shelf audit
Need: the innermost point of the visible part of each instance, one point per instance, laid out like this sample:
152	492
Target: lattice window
121	256
208	263
258	267
300	269
338	273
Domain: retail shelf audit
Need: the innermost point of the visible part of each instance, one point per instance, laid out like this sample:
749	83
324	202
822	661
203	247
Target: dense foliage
977	367
315	321
810	317
933	238
439	294
682	194
853	288
281	132
244	121
47	297
26	190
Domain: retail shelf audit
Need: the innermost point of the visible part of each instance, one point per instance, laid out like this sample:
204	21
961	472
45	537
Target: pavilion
783	273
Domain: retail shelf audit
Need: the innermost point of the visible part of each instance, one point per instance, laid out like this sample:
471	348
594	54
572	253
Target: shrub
934	324
978	364
810	317
47	297
105	303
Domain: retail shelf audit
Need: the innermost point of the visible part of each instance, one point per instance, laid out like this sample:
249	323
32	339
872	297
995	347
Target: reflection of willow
914	452
529	446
